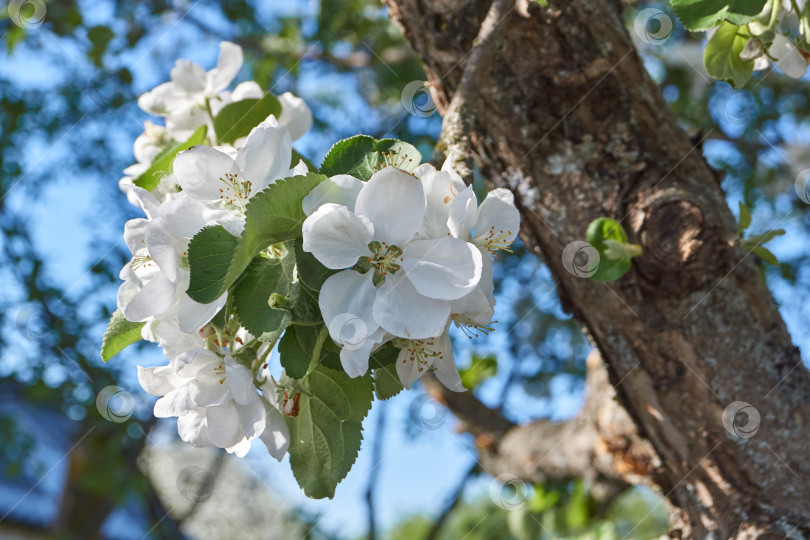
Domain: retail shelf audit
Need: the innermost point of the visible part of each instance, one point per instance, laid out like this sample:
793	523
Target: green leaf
310	271
236	119
599	231
100	37
384	363
325	437
302	346
262	278
14	35
162	164
745	219
480	369
386	382
217	259
765	254
119	335
361	156
699	15
763	238
721	58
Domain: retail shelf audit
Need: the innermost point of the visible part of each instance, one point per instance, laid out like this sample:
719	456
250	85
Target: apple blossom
409	281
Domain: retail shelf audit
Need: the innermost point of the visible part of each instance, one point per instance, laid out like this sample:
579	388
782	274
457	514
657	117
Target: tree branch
601	444
454	140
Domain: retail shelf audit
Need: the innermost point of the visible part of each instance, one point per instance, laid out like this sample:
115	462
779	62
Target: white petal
445	368
134	233
158	381
176	403
408	369
475	307
228	65
163	249
158	100
192	316
276	435
266	155
336	236
224	427
346	301
463	214
155	298
193	428
498	219
144	200
240	381
341	189
252	417
394	201
202	173
240	449
403	312
440	191
788	57
188	77
208	390
446	268
247	90
295	115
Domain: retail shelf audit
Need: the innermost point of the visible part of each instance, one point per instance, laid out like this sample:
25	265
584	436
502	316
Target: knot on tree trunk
681	243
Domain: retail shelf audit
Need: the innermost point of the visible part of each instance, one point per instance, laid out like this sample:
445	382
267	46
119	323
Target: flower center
493	240
141	261
236	190
384	259
422	352
470	328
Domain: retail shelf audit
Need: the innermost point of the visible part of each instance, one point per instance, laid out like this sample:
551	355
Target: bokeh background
79	461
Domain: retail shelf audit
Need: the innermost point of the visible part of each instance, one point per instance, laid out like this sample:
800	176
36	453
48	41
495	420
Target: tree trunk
566	117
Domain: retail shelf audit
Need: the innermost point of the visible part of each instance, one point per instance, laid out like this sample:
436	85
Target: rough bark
567	118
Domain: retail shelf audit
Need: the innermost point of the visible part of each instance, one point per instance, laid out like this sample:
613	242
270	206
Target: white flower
788	57
184	100
492	226
418	356
295	115
411	281
208	174
441	189
214	398
157	277
276	434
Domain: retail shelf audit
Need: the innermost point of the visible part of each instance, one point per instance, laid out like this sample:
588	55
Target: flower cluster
209	383
246	249
414	253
